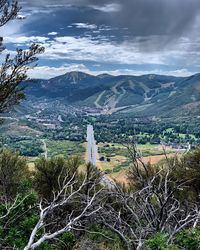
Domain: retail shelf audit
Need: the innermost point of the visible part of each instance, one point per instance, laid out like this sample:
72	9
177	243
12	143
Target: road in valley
92	154
45	149
91	144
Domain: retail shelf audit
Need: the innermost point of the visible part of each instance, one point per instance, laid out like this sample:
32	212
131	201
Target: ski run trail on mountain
113	100
98	100
117	92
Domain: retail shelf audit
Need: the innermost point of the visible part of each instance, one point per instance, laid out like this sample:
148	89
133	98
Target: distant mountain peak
75	76
104	75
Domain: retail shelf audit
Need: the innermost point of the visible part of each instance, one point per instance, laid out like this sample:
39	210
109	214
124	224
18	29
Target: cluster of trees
57	206
112	129
31	147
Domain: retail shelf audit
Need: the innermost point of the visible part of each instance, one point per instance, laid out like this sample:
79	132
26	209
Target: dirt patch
31	166
121	177
156	158
115	161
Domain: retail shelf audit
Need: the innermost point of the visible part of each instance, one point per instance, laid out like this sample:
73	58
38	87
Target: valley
53	119
68	138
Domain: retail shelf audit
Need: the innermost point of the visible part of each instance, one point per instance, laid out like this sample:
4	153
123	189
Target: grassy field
117	161
64	148
121	176
60	148
116	157
110	150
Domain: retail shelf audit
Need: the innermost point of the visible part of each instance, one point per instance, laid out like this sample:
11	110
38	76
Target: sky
109	36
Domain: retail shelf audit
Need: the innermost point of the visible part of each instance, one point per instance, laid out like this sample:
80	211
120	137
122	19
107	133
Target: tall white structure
91	145
92	153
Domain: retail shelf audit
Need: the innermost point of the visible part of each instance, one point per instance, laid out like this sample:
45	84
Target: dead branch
69	194
154	207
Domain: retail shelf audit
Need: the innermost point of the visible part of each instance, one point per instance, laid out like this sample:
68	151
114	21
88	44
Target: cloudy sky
112	36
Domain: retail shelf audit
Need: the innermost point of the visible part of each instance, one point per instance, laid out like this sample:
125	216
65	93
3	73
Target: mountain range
146	95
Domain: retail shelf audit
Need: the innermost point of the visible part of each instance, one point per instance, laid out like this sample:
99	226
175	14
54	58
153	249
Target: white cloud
107	7
178	73
53	33
101	50
11	28
46	72
84	26
20	16
25	39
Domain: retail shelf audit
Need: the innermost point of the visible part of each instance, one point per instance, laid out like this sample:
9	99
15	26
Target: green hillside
147	95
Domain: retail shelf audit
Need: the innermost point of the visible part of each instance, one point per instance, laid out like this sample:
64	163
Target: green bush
108	171
13	171
16	227
66	241
51	173
157	242
117	169
186	240
189	239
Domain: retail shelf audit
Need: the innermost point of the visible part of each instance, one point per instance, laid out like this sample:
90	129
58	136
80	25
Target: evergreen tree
14	69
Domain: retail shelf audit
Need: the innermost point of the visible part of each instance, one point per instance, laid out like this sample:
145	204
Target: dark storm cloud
158	23
142	17
149	25
158	17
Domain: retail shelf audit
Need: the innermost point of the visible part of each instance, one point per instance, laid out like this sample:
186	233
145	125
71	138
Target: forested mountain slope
154	95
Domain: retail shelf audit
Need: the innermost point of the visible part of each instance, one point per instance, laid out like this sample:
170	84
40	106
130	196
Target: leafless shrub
135	215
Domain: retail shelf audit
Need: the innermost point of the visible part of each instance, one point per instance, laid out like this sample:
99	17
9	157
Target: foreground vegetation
58	207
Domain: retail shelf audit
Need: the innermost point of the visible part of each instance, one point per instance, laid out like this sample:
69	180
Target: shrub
13	172
50	174
189	239
157	242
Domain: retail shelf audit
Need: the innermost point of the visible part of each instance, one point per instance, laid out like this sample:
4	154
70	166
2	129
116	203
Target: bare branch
154	207
68	194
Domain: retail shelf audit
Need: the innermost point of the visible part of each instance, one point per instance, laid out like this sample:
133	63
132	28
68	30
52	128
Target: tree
188	168
14	70
13	171
49	174
8	12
